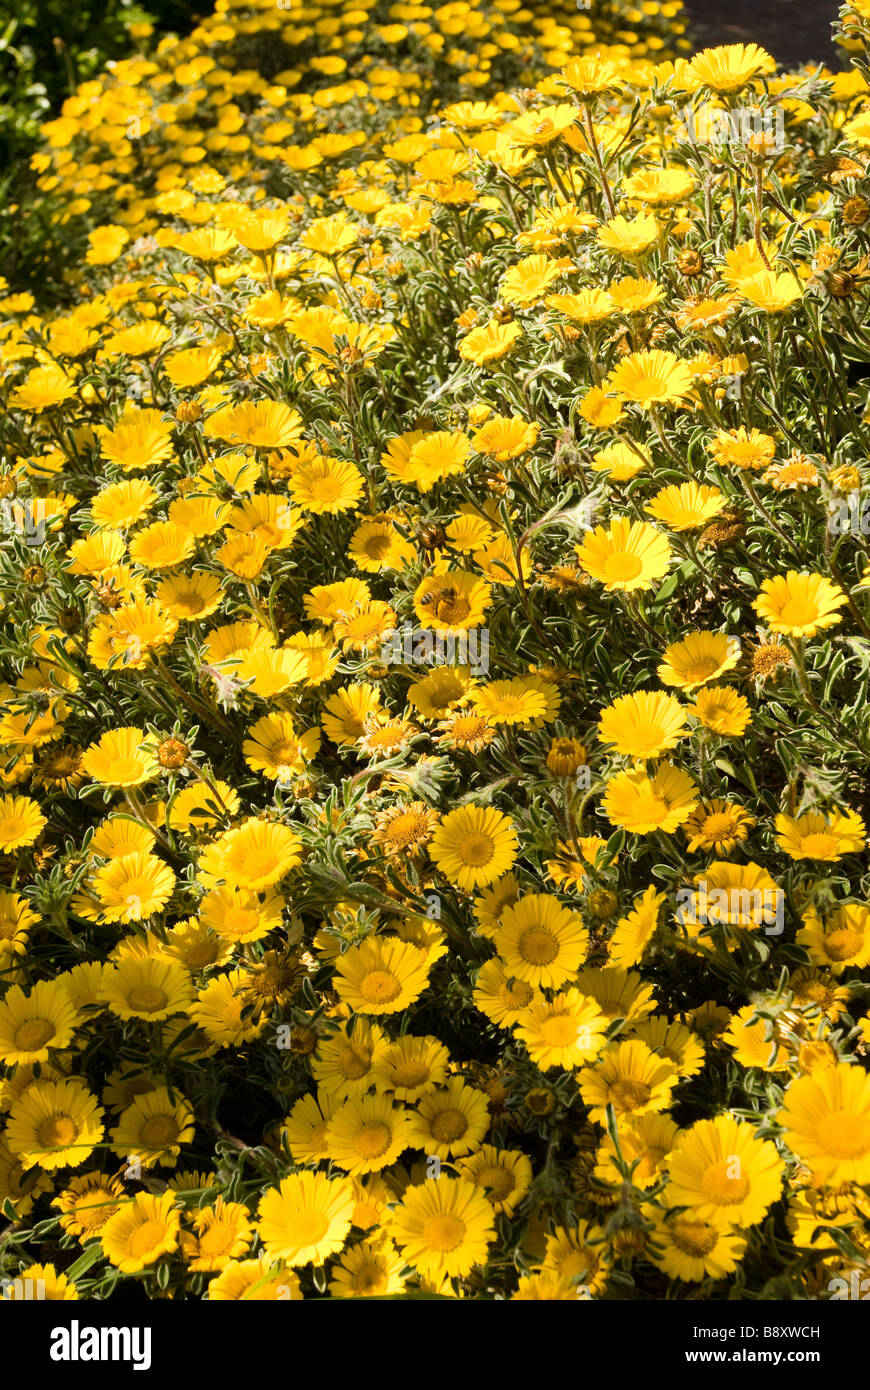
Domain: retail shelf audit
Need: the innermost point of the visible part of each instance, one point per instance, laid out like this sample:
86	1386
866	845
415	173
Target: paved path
794	31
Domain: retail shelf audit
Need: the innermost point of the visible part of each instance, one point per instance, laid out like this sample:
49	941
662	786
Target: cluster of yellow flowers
436	654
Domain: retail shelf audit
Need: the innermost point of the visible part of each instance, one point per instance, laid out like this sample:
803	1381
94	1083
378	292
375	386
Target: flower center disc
449	1125
621	567
845	1134
373	1141
694	1238
538	946
444	1232
629	1095
843	944
476	850
159	1131
724	1189
147	999
145	1237
57	1132
34	1034
380	987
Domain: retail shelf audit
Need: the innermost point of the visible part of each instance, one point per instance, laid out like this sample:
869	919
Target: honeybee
441	602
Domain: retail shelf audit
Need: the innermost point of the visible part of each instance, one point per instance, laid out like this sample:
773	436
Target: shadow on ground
794	31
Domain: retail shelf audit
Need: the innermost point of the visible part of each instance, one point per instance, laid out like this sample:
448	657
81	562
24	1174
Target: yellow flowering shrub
435	666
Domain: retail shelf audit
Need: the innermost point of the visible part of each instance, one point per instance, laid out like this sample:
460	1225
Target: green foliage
48	47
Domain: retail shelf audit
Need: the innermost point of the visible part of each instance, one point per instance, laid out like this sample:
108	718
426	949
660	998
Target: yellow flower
731	66
371	1269
132	887
826	1118
528	281
411	1067
659	187
490	342
817	836
367	1134
443	1228
632	294
254	855
723	1173
643	725
344	1063
771	292
146	988
262	424
87	1202
755	1044
254	1281
651	378
218	1011
41	1282
540	941
641	803
141	1232
722	709
505	437
503	1175
629	555
154	1127
139	340
590	75
717	825
838	940
260	230
697	658
734	895
119	759
54	1124
106	244
745	449
32	1023
600	410
450	1120
21	822
140	439
126	637
687	506
564	1031
326	485
525	700
630	1077
634	932
306	1218
541	127
691	1250
629	238
577	1255
586	306
474	845
799	603
239	914
377	545
221	1233
44	388
503	1000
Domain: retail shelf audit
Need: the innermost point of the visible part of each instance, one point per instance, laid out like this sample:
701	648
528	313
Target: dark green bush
47	47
